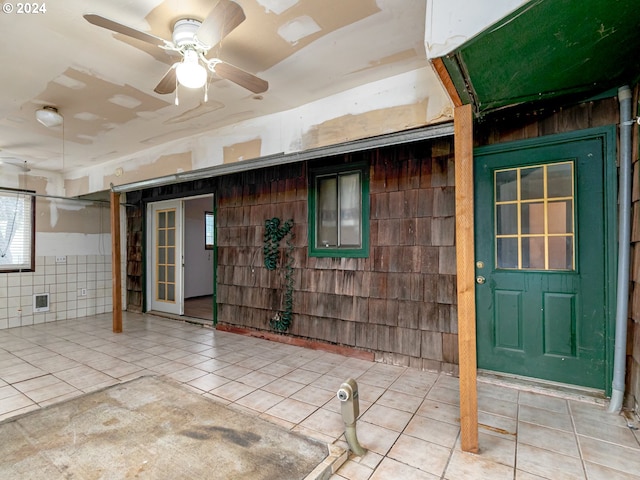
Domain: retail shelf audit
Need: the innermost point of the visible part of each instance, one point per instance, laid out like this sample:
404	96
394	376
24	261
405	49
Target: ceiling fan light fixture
49	117
189	72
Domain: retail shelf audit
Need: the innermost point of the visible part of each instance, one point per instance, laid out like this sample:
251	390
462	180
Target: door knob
480	279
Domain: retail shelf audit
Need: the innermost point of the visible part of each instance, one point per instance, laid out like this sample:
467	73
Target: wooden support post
463	138
115	262
447	83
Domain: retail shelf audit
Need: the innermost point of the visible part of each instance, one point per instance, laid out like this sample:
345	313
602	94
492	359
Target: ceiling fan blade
123	29
168	82
14	163
244	79
222	19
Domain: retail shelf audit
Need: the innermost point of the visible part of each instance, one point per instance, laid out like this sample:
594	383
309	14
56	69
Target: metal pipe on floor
350	409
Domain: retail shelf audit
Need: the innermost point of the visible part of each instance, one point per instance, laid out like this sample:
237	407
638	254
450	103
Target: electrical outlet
83	292
62	259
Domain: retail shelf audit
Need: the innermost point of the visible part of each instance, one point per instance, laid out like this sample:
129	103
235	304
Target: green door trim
607	135
214	202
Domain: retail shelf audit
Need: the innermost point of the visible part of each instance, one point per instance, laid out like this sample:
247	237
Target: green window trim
338	171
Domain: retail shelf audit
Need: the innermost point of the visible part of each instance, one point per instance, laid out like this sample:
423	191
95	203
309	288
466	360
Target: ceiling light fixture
49	117
189	72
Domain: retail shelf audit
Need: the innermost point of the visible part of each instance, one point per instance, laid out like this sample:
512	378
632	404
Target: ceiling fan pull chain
177	100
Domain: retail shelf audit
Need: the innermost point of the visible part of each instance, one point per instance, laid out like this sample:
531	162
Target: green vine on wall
273	234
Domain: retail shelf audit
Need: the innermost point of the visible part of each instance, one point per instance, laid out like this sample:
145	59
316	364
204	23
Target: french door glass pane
560	180
506	186
507	219
561	253
532	183
534	217
166	257
533	252
561	217
507	253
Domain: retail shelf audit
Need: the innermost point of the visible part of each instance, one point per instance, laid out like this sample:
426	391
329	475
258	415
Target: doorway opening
181	270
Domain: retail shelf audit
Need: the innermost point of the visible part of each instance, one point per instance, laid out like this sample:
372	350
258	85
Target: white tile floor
409	418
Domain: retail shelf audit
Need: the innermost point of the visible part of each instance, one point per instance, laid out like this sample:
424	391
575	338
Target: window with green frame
339	211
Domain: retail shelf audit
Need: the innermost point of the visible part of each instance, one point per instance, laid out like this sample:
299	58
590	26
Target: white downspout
624	239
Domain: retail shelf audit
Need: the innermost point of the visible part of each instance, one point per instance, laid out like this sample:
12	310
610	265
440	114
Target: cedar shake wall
510	126
399	303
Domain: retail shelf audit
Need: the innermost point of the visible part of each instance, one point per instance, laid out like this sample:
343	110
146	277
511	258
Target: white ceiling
102	82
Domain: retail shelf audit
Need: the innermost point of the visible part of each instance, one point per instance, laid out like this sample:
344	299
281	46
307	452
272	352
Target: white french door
165	270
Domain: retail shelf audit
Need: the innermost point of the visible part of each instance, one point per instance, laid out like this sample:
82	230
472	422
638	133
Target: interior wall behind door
198	262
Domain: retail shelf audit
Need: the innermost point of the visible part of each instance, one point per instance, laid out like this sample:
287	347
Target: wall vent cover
40	302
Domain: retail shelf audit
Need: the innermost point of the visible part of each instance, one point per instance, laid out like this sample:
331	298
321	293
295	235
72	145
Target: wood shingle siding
398	303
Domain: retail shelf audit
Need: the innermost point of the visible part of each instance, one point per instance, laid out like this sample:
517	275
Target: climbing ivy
273	234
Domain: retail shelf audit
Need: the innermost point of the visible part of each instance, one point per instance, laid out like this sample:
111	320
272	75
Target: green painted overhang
549	49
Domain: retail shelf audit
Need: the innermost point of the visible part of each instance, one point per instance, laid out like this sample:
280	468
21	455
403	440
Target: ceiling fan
193	39
14	163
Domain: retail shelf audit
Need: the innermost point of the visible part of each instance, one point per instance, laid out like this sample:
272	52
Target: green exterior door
542	268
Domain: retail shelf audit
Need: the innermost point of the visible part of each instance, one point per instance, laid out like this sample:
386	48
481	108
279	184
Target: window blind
17	215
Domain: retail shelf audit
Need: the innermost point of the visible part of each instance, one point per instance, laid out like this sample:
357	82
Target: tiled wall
65	279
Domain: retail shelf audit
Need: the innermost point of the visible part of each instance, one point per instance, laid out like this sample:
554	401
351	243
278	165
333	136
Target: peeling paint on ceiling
102	82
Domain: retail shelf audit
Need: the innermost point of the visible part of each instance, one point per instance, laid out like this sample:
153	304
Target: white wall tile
62	282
